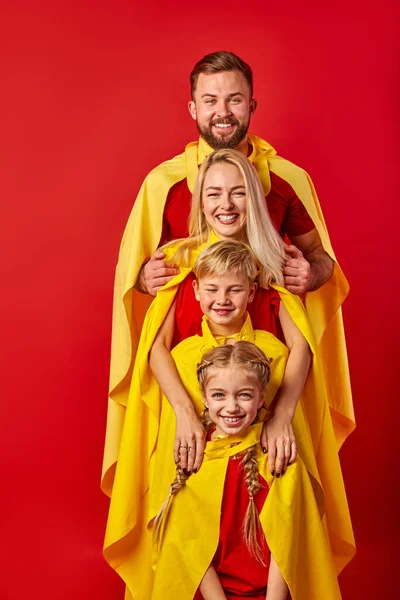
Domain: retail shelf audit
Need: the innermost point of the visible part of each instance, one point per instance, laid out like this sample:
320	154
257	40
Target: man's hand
156	273
296	272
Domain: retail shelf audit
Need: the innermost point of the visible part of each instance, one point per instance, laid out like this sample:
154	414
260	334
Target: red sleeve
297	221
264	312
188	313
176	213
287	212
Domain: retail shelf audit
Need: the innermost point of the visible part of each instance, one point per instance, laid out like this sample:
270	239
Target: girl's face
224	201
233	398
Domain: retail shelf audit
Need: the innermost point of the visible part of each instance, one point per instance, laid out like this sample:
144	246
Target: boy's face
233	398
224	299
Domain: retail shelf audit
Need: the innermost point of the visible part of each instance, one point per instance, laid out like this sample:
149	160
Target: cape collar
196	152
224	447
211	340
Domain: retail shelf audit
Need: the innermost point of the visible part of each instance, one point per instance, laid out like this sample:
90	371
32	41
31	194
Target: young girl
217	532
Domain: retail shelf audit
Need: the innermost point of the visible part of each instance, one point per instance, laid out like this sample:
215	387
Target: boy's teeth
223	125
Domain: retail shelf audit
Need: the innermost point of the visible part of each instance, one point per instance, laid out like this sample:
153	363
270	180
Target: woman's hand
190	440
277	438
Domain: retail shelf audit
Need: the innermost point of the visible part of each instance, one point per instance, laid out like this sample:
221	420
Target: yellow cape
142	237
294	530
135	498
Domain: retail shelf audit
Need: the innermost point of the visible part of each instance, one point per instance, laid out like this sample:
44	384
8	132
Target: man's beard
220	142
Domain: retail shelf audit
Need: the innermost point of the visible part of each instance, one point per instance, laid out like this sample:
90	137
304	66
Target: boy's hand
277	438
190	440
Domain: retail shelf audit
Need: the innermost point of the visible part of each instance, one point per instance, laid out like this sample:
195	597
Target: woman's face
224	202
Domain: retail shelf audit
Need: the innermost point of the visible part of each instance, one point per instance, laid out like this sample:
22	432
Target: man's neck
244	147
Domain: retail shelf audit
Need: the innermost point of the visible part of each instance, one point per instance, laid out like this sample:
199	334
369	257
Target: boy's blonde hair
247	356
227	256
259	230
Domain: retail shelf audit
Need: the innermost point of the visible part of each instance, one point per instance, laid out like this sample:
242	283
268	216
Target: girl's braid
176	485
252	526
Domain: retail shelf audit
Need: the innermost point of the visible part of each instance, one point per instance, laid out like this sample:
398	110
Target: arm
210	587
308	266
155	273
190	433
277	588
277	437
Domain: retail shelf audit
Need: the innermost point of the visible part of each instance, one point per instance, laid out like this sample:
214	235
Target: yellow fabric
142	237
145	465
187	355
290	518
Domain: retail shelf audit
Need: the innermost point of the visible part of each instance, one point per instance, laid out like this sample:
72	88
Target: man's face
222	108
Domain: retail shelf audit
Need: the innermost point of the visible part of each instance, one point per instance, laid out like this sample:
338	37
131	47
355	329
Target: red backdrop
94	95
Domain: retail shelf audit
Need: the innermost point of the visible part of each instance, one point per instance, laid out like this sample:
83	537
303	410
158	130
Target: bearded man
222	105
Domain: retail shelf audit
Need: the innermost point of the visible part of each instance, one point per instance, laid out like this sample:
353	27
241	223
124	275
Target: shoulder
172	170
278	165
188	349
265	339
293	175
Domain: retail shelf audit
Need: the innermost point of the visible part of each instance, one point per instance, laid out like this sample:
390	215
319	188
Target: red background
94	95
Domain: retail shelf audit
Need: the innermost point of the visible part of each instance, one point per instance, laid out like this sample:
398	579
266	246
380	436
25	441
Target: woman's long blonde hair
260	232
247	356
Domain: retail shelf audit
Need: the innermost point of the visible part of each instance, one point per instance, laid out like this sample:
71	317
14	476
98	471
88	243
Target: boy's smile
224	299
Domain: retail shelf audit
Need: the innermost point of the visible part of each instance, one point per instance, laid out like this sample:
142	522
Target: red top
263	311
286	210
240	574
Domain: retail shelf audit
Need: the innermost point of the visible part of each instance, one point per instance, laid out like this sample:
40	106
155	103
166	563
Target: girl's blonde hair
246	356
260	232
224	257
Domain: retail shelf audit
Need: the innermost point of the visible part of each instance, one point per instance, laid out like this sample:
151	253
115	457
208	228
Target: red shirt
286	210
241	575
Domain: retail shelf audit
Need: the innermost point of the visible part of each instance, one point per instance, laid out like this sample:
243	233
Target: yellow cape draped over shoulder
145	466
290	518
142	236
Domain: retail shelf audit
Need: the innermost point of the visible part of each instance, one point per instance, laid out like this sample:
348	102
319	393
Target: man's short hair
217	62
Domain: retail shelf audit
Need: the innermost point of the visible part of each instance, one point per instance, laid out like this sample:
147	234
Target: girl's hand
277	438
190	440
